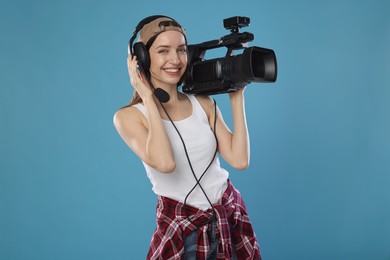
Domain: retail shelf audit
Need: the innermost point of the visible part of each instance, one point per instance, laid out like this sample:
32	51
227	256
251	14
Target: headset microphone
161	95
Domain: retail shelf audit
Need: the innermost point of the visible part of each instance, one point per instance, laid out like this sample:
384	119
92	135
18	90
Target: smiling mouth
172	70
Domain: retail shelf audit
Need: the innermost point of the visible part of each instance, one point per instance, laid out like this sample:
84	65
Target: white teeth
171	70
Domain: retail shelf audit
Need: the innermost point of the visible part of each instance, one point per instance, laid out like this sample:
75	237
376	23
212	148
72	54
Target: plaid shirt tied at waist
232	219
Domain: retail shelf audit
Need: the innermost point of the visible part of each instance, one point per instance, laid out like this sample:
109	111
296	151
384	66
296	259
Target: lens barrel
255	64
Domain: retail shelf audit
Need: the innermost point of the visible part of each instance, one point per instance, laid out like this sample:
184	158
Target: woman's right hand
137	78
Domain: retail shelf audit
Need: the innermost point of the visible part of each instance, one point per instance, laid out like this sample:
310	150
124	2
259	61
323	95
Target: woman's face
168	58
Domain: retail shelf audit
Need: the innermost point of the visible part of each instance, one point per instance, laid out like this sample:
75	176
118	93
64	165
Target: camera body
232	72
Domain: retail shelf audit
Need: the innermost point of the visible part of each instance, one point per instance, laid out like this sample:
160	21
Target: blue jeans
190	245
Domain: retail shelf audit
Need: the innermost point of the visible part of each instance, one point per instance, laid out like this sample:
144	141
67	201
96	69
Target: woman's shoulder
127	115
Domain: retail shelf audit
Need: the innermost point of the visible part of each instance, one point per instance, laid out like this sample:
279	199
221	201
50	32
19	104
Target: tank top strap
198	109
140	107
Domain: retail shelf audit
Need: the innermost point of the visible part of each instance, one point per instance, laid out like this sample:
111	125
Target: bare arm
146	136
233	146
240	145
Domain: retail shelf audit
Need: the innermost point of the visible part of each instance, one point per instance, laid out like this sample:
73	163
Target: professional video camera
232	72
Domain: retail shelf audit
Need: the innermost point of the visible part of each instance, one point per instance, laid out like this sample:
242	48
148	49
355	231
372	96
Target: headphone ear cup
142	57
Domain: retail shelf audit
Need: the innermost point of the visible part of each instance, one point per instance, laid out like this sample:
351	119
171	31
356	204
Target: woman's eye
163	51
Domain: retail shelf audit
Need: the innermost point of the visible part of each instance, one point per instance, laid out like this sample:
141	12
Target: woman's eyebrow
167	46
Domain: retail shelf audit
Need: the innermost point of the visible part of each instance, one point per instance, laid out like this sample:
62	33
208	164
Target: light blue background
318	183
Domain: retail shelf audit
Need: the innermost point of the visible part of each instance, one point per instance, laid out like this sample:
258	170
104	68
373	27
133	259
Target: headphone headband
139	27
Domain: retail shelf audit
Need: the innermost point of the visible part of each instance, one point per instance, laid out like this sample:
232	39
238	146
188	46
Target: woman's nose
174	58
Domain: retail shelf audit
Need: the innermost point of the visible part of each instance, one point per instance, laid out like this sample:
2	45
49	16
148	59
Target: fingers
237	93
131	61
132	68
137	77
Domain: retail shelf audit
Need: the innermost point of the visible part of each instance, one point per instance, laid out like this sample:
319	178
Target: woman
200	215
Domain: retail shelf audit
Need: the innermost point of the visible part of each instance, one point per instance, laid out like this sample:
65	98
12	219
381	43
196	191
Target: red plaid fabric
173	226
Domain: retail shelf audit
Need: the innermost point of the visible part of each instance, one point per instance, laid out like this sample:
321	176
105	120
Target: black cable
192	170
189	161
204	172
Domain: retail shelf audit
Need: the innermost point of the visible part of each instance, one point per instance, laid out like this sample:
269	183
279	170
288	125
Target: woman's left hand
237	93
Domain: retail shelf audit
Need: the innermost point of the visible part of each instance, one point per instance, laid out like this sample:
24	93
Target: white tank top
200	143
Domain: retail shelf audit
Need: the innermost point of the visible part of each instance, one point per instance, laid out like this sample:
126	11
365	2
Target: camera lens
257	64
